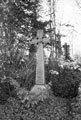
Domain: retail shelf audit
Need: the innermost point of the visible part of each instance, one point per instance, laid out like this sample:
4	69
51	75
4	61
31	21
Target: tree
18	18
78	2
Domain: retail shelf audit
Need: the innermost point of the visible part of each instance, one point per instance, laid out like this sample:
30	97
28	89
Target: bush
6	91
66	84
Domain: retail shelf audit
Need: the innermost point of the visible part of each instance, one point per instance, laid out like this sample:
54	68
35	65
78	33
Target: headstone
66	51
39	41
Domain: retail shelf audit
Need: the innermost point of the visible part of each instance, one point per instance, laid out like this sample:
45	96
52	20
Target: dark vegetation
66	84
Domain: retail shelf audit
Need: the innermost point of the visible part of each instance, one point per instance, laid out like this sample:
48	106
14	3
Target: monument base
37	89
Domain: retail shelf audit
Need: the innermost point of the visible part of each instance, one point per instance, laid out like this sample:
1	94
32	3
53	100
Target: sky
67	12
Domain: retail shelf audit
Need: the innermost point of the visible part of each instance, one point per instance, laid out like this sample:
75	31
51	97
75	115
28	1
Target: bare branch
78	2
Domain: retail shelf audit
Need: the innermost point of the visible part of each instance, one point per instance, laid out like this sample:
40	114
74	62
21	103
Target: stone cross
39	41
66	50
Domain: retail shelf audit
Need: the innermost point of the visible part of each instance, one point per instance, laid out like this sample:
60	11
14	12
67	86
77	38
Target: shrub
6	91
66	84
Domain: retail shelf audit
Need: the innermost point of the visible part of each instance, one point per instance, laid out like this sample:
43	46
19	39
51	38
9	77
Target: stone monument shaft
39	41
40	72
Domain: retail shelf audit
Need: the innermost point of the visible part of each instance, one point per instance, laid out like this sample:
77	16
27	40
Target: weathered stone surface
37	89
40	70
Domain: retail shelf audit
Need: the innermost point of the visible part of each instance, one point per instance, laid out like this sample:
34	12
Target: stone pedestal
37	89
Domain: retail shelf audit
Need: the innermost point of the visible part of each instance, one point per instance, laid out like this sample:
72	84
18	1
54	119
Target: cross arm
46	40
34	41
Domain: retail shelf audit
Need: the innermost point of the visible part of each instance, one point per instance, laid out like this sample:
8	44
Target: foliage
7	89
66	84
13	62
22	15
65	80
19	20
34	108
17	71
13	80
51	108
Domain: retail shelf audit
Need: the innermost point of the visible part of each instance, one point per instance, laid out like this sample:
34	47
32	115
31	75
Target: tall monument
39	41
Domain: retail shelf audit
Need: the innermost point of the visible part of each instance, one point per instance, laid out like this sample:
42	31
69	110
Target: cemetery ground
60	101
45	106
50	108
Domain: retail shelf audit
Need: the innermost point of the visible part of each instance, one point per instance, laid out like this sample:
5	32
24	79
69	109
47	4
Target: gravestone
39	41
66	51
